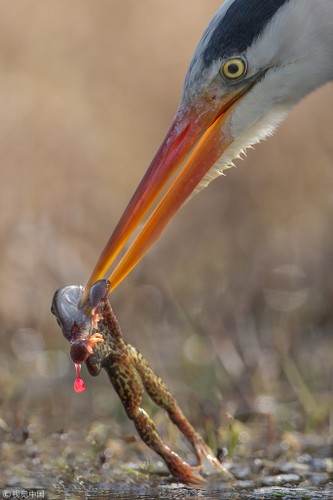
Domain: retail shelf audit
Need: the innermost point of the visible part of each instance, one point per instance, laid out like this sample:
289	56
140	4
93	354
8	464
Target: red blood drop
79	385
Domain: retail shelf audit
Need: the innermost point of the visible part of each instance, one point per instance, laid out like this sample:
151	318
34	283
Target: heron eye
234	68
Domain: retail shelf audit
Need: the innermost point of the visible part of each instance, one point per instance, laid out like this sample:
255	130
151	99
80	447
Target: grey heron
255	61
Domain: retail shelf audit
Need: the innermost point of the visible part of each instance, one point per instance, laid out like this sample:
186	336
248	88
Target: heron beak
197	138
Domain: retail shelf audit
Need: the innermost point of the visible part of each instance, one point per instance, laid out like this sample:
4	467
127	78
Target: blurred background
233	305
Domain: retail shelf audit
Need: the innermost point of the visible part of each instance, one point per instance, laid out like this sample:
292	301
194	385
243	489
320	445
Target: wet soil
76	465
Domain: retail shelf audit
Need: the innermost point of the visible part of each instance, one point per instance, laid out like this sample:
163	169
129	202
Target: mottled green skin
130	374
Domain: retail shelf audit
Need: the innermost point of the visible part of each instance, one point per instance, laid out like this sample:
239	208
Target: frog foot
90	344
184	472
95	316
205	454
81	349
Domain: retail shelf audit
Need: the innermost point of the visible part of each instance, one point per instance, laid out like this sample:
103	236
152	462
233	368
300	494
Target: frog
96	338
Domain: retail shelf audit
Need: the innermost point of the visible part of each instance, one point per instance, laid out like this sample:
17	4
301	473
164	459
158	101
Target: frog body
96	337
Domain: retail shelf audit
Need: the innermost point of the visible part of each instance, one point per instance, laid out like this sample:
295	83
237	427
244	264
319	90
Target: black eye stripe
238	28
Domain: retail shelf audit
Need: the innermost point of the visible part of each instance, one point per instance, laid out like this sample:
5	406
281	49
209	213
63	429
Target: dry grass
234	304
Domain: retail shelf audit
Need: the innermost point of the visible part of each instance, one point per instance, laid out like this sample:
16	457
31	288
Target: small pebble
281	479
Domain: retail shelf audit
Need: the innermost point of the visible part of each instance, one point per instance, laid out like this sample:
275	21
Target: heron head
254	62
260	57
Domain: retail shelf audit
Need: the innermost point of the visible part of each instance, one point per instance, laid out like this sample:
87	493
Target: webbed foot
184	472
205	454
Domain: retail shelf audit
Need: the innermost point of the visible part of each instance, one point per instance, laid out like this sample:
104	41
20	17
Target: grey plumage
288	45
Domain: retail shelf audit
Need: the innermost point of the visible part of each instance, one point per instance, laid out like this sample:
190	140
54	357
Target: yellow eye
234	68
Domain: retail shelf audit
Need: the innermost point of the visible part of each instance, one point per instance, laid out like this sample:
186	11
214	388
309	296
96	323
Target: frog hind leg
161	395
128	385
